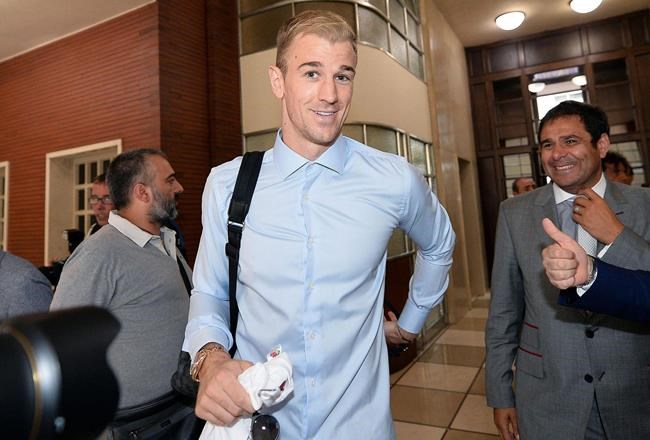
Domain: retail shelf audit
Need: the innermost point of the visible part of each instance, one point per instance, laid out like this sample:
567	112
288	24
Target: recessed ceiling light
584	6
579	80
510	20
536	87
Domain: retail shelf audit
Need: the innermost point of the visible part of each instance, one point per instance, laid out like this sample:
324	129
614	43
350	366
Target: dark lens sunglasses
264	427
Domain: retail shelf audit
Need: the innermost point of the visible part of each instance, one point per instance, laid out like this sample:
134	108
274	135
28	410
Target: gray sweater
23	289
143	288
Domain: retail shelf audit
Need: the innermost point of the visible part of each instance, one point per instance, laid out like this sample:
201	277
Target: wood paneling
481	117
490	199
552	48
503	57
639	29
606	36
94	86
475	62
643	79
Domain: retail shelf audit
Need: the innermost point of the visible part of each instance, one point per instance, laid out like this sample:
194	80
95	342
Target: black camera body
55	381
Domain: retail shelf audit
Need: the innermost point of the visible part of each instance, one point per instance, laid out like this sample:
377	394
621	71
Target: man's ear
142	193
277	81
603	145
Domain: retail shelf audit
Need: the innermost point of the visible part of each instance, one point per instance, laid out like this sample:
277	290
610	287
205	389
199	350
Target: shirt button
590	333
312	335
312	382
589	378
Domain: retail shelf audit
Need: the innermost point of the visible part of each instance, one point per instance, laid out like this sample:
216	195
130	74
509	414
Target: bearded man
131	268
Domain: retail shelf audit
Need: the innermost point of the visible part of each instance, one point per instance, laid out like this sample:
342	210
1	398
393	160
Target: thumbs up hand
565	262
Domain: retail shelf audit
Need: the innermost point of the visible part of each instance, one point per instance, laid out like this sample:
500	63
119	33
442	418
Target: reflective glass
381	138
373	28
398	47
260	142
258	31
397	15
354	131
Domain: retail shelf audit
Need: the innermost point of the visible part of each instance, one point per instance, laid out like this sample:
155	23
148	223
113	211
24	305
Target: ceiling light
584	6
536	87
579	80
510	20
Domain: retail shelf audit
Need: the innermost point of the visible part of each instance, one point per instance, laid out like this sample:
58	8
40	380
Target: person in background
23	289
617	168
101	203
74	237
522	185
131	267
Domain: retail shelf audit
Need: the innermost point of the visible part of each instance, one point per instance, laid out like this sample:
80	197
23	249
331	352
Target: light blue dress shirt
311	278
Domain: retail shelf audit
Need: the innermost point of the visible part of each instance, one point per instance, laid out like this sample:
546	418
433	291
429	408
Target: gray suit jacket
564	356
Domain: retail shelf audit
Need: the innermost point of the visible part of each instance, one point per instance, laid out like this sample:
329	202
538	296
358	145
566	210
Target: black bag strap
186	279
242	195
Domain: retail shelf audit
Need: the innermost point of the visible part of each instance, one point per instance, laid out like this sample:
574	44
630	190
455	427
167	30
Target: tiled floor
441	396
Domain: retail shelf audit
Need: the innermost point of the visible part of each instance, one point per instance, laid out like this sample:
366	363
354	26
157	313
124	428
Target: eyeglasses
93	200
264	427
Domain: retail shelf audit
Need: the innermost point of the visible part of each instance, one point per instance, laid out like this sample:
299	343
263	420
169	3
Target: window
547	102
514	166
4	193
86	170
69	175
392	25
260	141
631	152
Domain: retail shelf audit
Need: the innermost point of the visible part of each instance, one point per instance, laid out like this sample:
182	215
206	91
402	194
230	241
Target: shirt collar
288	161
561	195
137	235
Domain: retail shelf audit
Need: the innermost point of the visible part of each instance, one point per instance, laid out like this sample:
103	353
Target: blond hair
324	24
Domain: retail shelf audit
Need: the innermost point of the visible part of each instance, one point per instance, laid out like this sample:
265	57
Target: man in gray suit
579	375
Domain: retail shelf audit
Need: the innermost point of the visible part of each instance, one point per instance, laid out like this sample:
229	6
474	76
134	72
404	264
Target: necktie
588	243
565	211
569	227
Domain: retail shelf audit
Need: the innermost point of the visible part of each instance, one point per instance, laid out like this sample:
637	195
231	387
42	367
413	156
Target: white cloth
267	384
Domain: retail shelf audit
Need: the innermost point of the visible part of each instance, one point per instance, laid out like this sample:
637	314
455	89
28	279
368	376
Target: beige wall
453	138
401	104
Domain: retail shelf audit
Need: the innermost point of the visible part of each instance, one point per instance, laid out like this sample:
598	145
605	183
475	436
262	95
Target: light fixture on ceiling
510	20
536	87
584	6
579	80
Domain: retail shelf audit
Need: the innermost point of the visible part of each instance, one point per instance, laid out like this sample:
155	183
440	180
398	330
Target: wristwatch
201	356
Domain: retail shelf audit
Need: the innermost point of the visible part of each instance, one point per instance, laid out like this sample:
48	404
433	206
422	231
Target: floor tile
477	324
439	377
477	313
481	302
423	406
478	387
454	355
474	415
411	431
463	337
397	375
453	434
